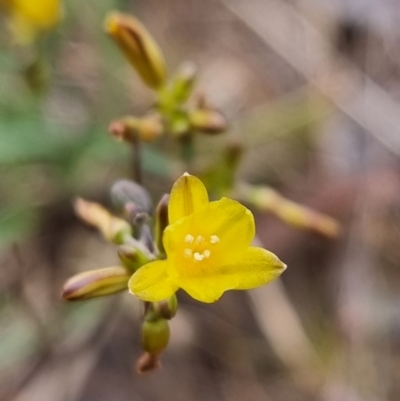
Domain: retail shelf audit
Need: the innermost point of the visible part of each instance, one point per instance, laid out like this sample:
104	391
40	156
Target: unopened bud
161	222
96	283
130	198
134	255
208	121
155	335
167	308
113	228
303	217
130	129
139	48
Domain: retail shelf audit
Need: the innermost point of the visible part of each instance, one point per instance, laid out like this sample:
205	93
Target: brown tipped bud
139	48
134	255
96	283
167	308
183	82
208	121
148	363
161	222
155	335
130	129
113	228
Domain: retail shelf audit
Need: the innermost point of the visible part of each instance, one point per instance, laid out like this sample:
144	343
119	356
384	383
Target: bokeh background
311	89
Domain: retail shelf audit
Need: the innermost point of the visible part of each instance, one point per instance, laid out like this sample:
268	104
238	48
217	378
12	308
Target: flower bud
161	222
209	121
155	335
167	308
139	48
130	198
129	129
269	200
134	255
113	228
96	283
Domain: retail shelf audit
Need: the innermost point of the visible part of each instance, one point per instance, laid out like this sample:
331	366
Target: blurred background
312	91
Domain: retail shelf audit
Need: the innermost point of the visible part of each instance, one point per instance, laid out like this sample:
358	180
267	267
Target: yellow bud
267	199
155	335
129	129
208	121
28	18
139	48
113	228
96	283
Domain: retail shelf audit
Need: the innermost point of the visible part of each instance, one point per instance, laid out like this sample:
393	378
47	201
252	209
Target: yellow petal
151	283
188	195
233	225
257	267
226	227
42	14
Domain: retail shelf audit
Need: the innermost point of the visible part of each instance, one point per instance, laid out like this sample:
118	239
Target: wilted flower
208	248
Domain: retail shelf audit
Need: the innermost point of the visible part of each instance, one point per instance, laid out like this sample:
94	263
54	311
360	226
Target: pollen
187	253
214	239
189	239
198	256
199	239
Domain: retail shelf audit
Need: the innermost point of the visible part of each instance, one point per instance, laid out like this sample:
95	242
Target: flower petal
230	222
151	283
257	267
226	229
188	195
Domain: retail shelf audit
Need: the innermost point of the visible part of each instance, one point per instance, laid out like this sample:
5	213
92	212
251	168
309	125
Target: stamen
199	239
189	238
214	239
198	256
206	253
187	253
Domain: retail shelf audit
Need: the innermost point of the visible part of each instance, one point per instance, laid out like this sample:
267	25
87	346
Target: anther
214	239
198	256
189	238
199	239
187	253
206	253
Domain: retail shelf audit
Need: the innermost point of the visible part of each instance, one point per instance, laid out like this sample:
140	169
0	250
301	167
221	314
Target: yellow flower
208	249
28	18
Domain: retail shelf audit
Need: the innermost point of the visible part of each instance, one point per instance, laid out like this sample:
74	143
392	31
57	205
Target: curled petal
151	283
188	195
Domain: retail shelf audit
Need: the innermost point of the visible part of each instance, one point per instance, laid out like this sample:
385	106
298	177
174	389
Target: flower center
199	248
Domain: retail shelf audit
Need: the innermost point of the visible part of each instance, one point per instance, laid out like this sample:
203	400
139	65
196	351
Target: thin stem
137	159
